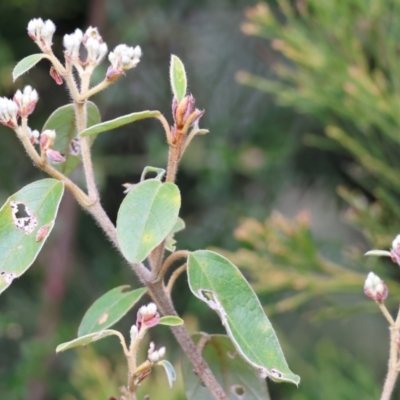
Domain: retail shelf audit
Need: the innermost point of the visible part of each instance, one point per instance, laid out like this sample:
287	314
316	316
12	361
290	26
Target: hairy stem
393	372
201	368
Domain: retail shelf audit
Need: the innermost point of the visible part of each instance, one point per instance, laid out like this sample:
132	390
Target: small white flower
124	57
8	112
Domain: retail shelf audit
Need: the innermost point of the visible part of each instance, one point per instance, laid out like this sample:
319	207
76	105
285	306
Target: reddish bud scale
113	74
56	76
148	320
55	156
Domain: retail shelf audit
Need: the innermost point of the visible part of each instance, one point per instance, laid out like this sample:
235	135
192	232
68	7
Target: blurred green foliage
333	65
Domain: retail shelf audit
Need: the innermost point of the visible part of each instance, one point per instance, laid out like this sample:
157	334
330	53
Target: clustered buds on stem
42	33
155	355
185	116
122	59
21	105
375	288
8	113
26	101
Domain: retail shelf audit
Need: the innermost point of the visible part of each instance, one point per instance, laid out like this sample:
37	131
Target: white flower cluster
124	57
150	309
8	112
41	31
91	39
26	100
95	46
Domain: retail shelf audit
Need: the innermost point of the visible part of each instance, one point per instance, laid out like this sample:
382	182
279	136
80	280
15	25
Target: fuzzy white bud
8	112
72	43
41	32
375	288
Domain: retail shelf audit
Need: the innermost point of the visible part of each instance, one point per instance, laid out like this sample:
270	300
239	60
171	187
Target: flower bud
157	355
41	32
47	139
72	44
148	316
8	112
375	288
395	250
33	136
133	333
26	101
55	156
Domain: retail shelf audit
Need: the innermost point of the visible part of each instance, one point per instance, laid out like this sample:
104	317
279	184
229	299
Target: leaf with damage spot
238	379
146	217
26	220
109	309
62	121
220	284
85	340
170	243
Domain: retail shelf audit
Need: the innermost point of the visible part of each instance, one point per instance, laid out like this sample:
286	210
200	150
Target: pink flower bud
395	250
56	76
148	316
375	288
55	156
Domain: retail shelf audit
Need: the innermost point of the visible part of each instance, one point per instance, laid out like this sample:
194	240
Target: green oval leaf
146	216
26	64
109	309
85	340
120	121
178	78
220	284
26	220
63	121
238	379
170	320
169	370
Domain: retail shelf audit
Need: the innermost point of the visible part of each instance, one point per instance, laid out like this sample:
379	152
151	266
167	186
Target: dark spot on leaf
238	391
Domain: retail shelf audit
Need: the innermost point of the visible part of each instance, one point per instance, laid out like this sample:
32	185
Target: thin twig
169	261
386	313
175	275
